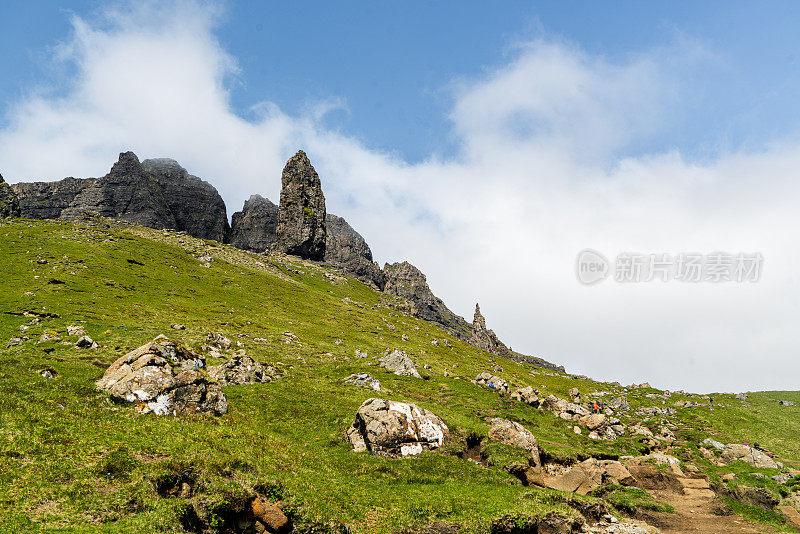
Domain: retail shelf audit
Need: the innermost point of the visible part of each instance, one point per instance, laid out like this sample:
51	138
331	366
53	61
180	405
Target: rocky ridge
9	203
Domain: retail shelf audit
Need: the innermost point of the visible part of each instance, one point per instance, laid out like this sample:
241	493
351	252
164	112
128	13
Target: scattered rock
491	381
177	326
163	377
85	342
363	380
15	341
218	341
48	373
242	369
301	229
399	363
396	428
76	330
48	337
528	395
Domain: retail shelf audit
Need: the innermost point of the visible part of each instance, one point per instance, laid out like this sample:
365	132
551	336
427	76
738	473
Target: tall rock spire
301	227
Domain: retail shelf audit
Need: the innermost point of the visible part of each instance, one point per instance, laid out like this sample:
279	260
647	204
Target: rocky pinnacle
301	213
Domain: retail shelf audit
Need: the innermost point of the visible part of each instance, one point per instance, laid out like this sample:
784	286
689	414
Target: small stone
177	326
85	342
270	515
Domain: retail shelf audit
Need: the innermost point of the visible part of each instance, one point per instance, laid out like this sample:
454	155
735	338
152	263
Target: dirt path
694	512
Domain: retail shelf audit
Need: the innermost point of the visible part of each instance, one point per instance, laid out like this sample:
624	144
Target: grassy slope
71	459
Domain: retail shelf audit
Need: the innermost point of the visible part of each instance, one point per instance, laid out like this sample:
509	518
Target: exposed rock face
196	205
254	227
9	204
345	248
157	193
406	281
396	428
301	227
163	377
484	338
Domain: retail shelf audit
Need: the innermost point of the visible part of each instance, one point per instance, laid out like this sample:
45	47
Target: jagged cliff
156	193
9	204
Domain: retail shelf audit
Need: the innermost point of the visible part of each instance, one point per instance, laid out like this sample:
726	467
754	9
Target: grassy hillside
71	460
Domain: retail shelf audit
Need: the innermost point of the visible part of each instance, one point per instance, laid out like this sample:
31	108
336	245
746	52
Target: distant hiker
595	407
711	401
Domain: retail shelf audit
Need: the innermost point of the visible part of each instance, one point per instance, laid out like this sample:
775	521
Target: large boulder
157	193
301	229
396	428
9	203
346	249
196	205
750	455
165	378
406	281
399	363
254	227
516	435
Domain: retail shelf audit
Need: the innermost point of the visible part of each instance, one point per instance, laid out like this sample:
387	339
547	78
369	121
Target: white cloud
542	173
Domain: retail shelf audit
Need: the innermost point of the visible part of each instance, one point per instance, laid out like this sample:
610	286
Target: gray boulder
301	229
346	249
196	205
399	363
9	203
254	227
165	378
516	435
363	380
396	428
406	281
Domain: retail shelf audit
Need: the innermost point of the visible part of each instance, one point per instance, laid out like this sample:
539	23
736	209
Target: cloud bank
546	166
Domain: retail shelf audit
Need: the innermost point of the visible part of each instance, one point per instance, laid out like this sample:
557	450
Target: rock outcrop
254	227
9	204
157	193
396	428
242	369
301	229
165	378
516	435
346	249
484	338
196	205
406	281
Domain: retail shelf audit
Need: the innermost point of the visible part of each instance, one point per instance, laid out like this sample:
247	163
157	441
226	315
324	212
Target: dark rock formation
406	281
158	194
346	249
9	204
482	337
254	227
301	213
196	205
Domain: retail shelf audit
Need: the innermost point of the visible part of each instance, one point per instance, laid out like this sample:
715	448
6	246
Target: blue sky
393	66
487	146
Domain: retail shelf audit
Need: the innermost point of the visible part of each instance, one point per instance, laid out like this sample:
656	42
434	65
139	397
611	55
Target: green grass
73	461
